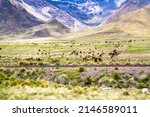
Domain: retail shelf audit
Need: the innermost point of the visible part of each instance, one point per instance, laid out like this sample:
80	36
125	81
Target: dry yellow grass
72	93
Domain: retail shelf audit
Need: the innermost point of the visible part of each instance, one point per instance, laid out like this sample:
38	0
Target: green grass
71	84
59	52
81	83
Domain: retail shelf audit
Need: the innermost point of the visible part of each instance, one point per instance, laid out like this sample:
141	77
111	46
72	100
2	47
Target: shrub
79	90
2	76
142	77
23	64
40	63
62	79
8	72
116	68
116	75
22	70
104	81
81	69
125	93
88	80
142	85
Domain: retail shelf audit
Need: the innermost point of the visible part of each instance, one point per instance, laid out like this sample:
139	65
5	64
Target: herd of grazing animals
71	52
89	55
84	55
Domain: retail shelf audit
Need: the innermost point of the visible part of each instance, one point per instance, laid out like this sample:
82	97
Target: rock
145	90
73	82
42	33
106	88
142	77
62	79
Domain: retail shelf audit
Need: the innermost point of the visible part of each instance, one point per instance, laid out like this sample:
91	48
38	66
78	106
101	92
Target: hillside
131	24
17	15
40	18
52	28
45	12
128	6
13	18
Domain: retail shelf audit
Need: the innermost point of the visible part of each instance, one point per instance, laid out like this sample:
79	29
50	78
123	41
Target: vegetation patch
41	83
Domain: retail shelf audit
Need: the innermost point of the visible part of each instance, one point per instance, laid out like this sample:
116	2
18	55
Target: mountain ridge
135	23
46	12
32	16
126	7
28	15
13	19
53	29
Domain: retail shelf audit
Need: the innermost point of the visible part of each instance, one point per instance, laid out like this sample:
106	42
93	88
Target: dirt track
125	68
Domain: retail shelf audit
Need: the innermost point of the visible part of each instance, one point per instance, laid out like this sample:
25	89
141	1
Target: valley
130	51
39	73
78	50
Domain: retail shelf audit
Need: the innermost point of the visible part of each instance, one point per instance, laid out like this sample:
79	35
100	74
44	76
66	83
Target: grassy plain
75	52
74	83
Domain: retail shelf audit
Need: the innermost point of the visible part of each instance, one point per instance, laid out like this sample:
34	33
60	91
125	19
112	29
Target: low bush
81	69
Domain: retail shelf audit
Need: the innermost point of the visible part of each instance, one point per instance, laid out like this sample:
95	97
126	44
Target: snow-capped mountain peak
36	12
45	12
74	14
90	12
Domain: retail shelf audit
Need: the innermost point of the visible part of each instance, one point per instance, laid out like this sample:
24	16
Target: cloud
56	0
107	0
119	2
90	7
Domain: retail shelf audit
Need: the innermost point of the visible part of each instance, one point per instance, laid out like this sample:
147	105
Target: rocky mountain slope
90	12
13	18
135	23
53	29
45	12
16	15
50	17
128	6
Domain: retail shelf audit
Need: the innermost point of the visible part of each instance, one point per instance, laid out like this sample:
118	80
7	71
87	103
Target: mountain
90	12
45	12
45	17
52	28
95	12
16	15
128	6
131	24
13	18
